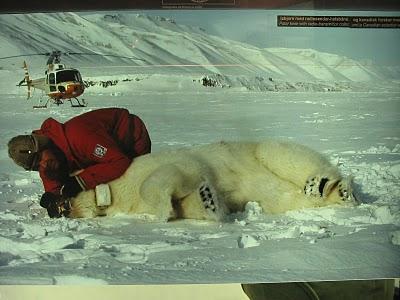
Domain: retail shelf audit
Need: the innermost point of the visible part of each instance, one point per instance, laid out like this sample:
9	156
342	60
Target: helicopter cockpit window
67	75
52	78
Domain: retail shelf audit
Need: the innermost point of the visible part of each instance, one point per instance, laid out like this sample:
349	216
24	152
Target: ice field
359	131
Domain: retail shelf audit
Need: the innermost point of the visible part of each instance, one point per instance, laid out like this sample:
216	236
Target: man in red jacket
87	150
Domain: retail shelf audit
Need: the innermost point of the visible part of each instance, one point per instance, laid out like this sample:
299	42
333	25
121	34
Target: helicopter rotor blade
59	53
21	55
99	54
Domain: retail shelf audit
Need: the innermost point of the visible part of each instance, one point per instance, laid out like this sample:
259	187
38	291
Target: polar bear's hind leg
313	173
298	164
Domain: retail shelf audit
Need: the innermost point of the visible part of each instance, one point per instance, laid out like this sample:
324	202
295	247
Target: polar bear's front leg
203	204
162	191
158	190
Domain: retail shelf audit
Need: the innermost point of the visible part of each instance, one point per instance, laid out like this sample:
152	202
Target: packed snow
354	122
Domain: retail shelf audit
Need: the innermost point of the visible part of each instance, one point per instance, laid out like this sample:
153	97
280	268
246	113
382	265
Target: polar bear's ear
327	186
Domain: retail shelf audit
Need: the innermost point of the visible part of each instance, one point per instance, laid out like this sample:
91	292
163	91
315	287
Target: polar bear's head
84	205
339	191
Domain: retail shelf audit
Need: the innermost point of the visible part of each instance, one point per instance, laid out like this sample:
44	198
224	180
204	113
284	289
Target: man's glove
51	202
71	188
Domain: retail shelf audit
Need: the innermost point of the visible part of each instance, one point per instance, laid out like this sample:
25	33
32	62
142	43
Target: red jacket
102	143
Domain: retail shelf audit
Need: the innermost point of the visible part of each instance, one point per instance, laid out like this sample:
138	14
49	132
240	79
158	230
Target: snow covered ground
359	131
302	95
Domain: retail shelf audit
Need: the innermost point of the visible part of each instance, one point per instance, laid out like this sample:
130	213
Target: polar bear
210	181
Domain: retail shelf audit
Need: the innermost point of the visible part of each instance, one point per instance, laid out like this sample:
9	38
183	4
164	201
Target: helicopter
60	83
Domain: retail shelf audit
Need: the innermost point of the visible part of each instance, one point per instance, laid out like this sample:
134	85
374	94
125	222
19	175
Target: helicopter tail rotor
27	80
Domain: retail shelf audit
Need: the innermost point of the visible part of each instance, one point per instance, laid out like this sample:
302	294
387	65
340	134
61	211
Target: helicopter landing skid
41	105
80	104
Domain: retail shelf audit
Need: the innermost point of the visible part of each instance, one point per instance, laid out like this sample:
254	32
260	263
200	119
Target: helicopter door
52	82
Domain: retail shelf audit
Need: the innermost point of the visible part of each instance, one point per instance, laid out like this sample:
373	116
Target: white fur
273	173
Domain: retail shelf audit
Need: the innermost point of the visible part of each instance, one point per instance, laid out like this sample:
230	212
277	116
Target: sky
258	27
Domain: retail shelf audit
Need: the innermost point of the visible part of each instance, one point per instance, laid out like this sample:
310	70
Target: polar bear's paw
208	197
315	186
215	208
345	192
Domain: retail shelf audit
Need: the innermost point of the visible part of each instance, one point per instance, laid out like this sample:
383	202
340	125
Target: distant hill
160	41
